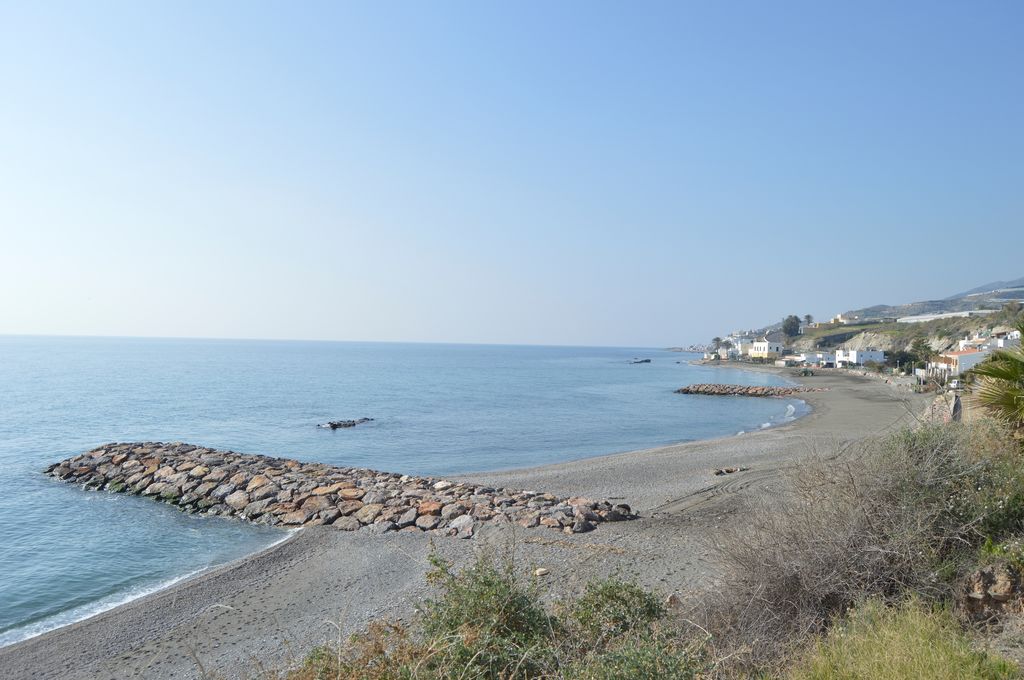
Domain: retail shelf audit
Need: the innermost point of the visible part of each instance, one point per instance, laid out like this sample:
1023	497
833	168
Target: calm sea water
66	553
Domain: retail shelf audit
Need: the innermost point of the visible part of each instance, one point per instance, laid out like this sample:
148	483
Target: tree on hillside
1002	384
808	319
921	350
791	326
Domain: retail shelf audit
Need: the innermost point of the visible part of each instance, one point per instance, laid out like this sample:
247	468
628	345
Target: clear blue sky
566	173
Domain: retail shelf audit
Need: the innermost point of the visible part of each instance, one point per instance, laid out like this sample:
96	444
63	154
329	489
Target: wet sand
269	610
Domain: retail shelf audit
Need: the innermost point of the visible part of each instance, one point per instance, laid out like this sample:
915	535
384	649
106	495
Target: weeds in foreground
903	515
909	640
487	621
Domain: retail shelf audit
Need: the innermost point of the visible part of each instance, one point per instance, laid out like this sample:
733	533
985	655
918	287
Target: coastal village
844	341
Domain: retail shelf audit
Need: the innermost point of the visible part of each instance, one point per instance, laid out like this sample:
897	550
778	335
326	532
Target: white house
728	354
1004	340
766	349
742	346
984	341
818	358
858	357
949	364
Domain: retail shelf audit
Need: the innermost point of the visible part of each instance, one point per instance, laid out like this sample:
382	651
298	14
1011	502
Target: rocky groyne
746	390
289	493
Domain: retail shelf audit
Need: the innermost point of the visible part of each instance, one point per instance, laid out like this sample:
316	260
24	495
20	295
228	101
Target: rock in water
285	492
344	424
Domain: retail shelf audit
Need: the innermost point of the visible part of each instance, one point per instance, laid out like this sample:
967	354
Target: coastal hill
988	296
995	286
886	327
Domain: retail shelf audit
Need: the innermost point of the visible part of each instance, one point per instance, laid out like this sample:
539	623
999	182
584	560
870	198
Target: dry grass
910	640
901	515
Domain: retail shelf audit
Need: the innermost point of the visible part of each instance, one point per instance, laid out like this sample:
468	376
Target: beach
268	610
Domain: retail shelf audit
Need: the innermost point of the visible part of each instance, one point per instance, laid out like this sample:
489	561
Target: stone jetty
290	493
746	390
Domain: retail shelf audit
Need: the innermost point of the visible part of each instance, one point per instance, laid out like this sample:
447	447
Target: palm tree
1002	384
716	341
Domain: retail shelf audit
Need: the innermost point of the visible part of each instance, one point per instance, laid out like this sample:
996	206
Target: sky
582	173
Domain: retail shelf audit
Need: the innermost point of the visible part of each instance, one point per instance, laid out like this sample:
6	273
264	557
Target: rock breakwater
289	493
746	390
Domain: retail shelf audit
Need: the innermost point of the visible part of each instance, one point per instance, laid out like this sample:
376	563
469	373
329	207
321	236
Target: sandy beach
268	610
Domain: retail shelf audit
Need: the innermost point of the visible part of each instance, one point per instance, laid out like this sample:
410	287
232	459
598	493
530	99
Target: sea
67	554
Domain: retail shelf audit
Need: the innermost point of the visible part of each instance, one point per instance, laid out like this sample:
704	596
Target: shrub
911	640
611	608
644	657
996	495
1009	552
492	623
906	513
614	630
487	622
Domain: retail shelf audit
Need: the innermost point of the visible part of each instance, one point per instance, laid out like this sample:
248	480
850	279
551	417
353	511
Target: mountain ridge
988	296
990	288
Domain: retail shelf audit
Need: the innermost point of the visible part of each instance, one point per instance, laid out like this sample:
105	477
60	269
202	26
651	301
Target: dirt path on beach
270	609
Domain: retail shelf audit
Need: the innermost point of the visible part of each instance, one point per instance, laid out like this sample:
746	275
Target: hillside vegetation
939	334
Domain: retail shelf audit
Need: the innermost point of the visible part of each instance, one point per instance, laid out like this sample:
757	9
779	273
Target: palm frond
1002	384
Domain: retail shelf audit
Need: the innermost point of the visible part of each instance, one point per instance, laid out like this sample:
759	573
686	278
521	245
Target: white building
1004	341
971	343
818	358
742	345
766	349
949	364
858	357
985	341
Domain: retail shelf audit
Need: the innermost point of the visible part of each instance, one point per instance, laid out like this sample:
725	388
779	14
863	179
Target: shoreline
668	488
290	533
185	579
178	581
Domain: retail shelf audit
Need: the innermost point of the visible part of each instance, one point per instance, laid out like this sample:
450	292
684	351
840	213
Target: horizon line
379	342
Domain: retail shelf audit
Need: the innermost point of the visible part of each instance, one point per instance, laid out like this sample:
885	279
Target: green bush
875	642
1009	552
493	622
643	657
486	622
611	608
997	492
